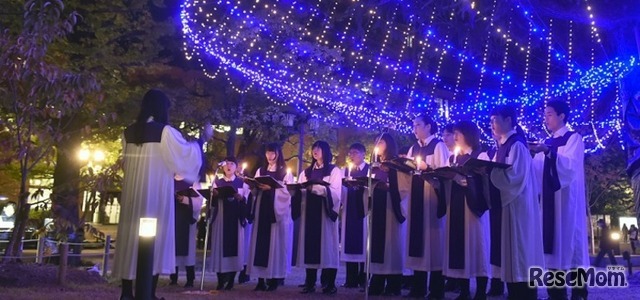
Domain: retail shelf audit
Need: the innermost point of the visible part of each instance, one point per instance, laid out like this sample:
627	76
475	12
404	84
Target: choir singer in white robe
521	229
425	228
559	165
467	243
388	225
269	250
154	153
353	237
318	209
227	228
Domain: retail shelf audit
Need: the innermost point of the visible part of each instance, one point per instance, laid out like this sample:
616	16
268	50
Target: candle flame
288	170
375	150
350	166
418	159
456	151
244	165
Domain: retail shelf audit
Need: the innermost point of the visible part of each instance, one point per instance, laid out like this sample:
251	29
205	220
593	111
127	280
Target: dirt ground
32	281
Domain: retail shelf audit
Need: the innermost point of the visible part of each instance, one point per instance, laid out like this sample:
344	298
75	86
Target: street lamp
144	268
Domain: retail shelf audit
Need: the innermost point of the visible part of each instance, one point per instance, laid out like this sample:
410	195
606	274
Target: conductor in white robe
353	237
425	228
521	228
269	250
317	207
559	164
154	153
227	228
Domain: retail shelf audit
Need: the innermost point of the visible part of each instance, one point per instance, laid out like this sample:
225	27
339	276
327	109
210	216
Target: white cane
206	241
206	236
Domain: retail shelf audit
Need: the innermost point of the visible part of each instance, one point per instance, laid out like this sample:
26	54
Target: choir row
481	223
487	221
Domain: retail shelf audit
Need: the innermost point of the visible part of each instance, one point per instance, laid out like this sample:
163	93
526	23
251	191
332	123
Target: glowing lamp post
144	268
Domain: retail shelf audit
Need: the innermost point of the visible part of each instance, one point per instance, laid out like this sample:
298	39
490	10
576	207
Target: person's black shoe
391	293
272	285
220	285
261	286
375	292
434	297
189	284
330	290
308	290
414	295
463	296
302	285
350	285
127	298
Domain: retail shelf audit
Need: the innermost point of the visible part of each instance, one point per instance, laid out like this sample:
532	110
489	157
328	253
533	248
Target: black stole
379	211
183	218
313	216
472	195
266	217
495	213
234	213
354	213
416	223
550	185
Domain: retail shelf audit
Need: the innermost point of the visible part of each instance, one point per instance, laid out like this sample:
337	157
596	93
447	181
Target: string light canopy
378	63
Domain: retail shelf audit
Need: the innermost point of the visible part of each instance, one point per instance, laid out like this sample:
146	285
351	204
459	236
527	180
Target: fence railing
47	248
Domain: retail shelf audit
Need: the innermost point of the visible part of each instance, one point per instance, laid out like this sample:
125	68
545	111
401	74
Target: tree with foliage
608	189
38	97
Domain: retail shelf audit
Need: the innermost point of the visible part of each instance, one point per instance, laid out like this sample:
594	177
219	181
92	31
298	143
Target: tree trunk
14	248
301	150
66	180
231	141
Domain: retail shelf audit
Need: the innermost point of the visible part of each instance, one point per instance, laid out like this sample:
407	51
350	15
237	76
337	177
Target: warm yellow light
84	154
98	155
147	227
615	236
456	151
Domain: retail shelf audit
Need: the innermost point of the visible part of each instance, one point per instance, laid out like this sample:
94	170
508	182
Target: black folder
223	192
444	173
474	163
361	181
268	180
190	192
297	186
401	164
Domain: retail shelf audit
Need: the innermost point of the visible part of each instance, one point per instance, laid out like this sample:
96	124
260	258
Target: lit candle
349	170
375	154
456	152
418	161
244	166
288	173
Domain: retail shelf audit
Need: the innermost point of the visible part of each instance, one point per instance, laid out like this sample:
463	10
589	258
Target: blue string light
307	55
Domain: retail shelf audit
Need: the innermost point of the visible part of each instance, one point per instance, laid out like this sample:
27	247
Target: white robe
280	245
190	259
521	228
219	263
394	246
431	259
476	241
350	257
570	246
148	191
329	254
